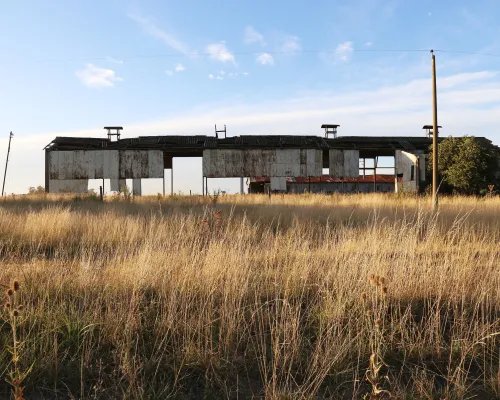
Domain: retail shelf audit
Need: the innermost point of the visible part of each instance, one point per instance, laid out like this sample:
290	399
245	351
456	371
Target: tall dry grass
163	298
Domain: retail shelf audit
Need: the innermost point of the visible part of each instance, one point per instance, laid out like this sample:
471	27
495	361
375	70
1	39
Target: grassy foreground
299	296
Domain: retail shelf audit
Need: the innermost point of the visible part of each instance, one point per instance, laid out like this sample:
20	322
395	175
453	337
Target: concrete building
287	160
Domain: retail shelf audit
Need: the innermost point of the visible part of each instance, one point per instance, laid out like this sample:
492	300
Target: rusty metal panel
351	163
155	164
68	185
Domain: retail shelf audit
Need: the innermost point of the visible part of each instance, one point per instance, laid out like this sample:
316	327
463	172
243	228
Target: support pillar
136	187
172	180
242	188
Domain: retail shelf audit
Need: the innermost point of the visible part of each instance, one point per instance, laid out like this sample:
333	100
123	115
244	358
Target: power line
469	53
237	53
196	54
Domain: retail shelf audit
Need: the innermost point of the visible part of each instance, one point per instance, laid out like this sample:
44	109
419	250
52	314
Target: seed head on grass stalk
13	310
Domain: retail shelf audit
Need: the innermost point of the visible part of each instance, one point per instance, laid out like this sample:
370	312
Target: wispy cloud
344	51
253	36
95	77
179	68
265	59
167	38
290	45
114	60
219	52
211	76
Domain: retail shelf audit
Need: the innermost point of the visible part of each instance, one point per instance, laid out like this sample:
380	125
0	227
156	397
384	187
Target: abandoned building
288	163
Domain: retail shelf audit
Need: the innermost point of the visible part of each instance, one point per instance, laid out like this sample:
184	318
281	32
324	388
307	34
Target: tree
466	165
38	190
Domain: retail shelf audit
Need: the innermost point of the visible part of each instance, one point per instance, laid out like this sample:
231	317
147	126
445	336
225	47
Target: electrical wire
238	53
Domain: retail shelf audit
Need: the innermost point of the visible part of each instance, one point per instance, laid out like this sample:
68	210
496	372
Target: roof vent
428	130
114	131
330	129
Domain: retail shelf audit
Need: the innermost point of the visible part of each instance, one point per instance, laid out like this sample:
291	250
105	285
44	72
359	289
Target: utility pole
6	162
434	137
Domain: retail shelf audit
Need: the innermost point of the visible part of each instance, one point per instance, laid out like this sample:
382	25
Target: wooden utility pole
6	162
434	137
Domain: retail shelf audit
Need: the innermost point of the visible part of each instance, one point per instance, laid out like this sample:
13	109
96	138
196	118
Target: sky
69	68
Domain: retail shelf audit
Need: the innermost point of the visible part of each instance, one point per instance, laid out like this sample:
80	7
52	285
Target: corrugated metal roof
180	143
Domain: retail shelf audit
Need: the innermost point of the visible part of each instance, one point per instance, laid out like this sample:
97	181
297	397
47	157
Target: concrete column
136	187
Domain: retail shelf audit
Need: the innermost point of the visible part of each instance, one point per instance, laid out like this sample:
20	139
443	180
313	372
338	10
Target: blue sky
260	67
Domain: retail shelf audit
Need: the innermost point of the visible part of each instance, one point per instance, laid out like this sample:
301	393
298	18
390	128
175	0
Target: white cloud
368	44
210	76
179	68
265	59
219	52
344	51
253	36
219	78
169	73
165	37
245	73
95	77
291	45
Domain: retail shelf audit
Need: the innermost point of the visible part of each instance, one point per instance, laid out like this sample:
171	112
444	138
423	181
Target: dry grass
165	298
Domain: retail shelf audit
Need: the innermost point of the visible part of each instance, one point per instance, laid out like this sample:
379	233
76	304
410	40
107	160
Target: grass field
300	296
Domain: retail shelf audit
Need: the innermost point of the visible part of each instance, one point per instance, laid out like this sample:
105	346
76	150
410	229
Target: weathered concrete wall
83	164
68	185
105	164
405	164
226	163
344	163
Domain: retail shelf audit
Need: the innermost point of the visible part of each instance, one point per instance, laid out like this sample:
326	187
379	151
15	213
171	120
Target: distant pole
163	182
11	135
434	137
101	197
